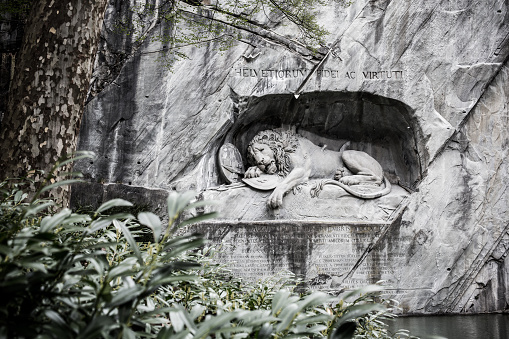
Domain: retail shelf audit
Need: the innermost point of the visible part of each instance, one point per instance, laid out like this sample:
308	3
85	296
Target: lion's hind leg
365	169
361	179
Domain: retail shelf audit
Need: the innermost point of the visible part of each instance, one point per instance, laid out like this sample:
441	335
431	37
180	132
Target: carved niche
290	177
348	157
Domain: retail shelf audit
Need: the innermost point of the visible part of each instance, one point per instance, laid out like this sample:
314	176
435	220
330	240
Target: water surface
482	326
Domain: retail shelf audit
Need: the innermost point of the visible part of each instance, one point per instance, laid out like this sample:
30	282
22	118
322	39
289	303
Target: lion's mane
281	143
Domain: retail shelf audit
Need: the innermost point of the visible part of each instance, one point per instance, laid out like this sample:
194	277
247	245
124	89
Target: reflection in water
482	326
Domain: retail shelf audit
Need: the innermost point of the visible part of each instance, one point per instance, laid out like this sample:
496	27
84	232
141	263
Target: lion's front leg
296	176
276	198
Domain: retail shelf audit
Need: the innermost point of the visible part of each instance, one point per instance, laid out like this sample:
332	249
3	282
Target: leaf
176	202
171	202
233	329
152	221
82	272
127	333
95	261
5	250
48	223
60	183
212	324
100	245
257	317
76	219
130	239
279	300
362	291
202	217
345	331
177	322
33	209
266	331
96	327
184	199
317	298
125	295
113	203
72	229
99	224
71	174
313	330
124	268
19	196
167	333
155	283
197	310
36	266
358	311
182	247
186	318
77	156
157	311
287	315
54	316
103	222
314	319
156	321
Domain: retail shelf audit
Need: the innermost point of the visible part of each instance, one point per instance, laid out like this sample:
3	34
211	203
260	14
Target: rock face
421	86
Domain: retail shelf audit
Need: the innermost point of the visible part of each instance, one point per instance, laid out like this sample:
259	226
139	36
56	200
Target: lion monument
296	160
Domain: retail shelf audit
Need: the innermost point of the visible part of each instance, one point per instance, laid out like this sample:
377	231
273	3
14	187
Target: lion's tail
362	195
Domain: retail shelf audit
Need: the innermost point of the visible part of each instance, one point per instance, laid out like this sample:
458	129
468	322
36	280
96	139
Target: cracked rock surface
422	85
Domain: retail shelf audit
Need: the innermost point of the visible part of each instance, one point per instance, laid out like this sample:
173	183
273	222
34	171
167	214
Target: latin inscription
315	252
296	73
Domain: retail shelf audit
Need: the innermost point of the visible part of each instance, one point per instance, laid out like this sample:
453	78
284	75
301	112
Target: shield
230	163
264	182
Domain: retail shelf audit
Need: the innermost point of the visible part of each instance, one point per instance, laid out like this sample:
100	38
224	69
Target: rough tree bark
51	80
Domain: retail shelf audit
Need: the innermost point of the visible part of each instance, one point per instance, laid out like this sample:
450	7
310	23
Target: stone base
240	202
328	256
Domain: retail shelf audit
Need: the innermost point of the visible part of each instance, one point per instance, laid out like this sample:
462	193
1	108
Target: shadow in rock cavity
321	239
382	127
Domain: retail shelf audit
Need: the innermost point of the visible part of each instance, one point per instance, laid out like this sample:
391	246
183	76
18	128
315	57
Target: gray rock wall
463	209
420	85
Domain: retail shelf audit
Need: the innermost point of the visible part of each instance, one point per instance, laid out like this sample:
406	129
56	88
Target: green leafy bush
71	275
79	276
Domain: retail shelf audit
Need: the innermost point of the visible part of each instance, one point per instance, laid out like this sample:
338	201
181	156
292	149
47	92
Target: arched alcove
379	126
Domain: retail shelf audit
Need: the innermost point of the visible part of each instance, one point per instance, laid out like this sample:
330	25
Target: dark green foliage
70	275
73	275
15	7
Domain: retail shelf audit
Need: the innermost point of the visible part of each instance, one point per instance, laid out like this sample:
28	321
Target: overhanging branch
259	30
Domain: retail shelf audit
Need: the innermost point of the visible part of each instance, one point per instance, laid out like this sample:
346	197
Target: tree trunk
50	84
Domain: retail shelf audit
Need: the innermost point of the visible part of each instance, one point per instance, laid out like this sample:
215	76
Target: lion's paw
349	180
339	174
253	172
276	199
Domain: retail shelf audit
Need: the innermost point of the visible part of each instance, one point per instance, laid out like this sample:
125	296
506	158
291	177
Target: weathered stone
421	86
333	204
89	196
322	252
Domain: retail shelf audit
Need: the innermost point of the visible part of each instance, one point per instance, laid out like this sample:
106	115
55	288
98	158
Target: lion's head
280	143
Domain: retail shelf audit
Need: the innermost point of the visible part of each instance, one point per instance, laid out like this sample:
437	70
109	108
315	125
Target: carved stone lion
297	160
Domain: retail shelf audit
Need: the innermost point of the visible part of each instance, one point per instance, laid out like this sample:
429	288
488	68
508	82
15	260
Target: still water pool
483	326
